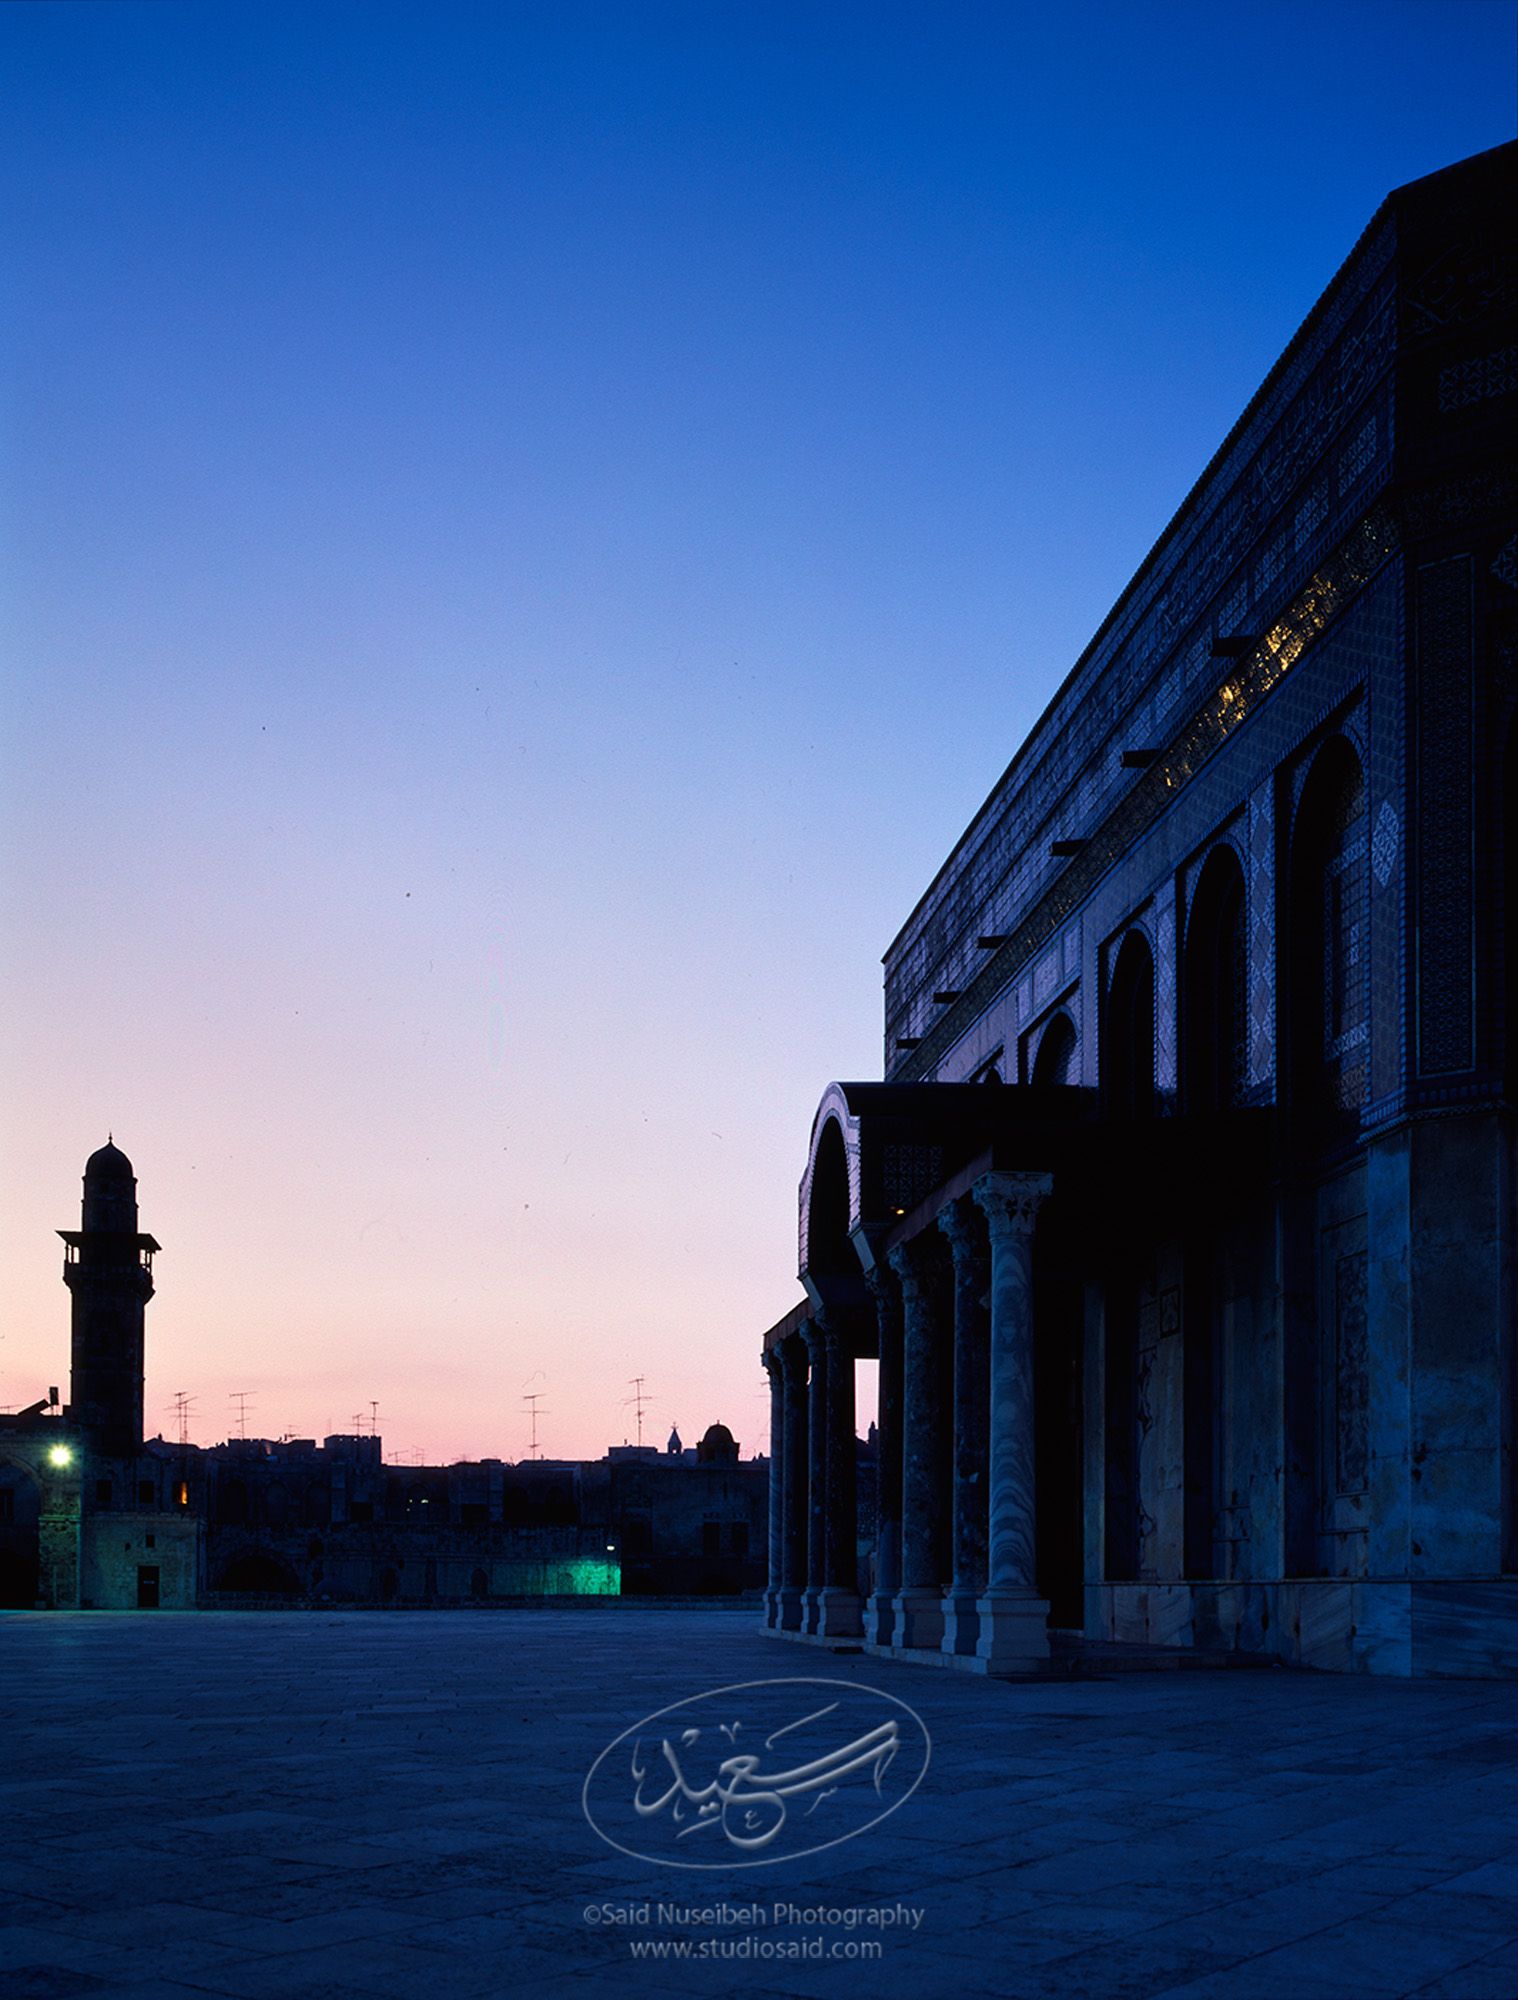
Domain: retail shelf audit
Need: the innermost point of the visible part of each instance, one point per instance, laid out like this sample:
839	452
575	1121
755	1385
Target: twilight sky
527	531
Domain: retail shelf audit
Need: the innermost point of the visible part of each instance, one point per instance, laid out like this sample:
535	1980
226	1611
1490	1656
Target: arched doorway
1326	1068
20	1505
1128	1096
833	1273
1214	1075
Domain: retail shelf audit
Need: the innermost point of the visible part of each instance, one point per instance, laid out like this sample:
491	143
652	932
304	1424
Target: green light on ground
589	1579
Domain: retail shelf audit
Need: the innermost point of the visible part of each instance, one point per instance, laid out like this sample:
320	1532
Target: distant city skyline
526	538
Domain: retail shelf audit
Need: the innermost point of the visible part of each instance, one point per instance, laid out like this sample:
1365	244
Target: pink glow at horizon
528	537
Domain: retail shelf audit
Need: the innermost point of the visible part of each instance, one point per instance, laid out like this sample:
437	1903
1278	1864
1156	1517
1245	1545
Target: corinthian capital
1010	1202
964	1229
922	1265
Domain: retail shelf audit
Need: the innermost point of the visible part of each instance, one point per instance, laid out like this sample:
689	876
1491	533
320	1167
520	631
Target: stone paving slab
374	1806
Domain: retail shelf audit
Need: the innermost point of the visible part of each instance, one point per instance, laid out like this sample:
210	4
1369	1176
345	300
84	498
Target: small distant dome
674	1447
109	1164
110	1192
718	1447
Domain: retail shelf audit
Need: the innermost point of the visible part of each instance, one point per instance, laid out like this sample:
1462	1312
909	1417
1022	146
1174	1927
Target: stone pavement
304	1805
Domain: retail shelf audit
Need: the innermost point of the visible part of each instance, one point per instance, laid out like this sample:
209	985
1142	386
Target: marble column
838	1604
922	1265
1014	1630
794	1461
774	1368
964	1227
879	1617
817	1478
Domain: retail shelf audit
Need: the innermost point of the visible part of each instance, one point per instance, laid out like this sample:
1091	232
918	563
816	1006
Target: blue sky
527	533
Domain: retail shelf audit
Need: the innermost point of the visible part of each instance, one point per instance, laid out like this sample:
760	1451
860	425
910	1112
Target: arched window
1329	945
1215	1067
1055	1061
1127	1049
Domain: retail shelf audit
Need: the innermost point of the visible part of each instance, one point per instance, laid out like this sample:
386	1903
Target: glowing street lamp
60	1455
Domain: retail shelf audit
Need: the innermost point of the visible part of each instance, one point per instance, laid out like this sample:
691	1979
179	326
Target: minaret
108	1268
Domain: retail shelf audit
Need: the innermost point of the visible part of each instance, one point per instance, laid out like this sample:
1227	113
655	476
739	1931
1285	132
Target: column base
1014	1633
880	1618
771	1620
961	1619
918	1621
811	1611
838	1613
792	1609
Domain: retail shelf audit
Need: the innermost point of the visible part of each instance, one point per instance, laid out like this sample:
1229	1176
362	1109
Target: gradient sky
527	533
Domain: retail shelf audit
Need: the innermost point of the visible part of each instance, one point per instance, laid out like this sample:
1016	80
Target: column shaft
794	1460
922	1265
774	1368
964	1227
885	1290
817	1481
1014	1620
841	1565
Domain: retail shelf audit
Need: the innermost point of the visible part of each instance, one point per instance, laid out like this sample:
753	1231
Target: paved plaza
303	1805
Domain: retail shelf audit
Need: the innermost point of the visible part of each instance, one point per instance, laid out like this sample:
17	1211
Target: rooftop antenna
181	1408
638	1398
374	1416
240	1398
532	1400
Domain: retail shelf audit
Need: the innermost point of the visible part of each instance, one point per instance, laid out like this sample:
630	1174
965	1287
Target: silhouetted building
93	1516
1182	1223
717	1447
